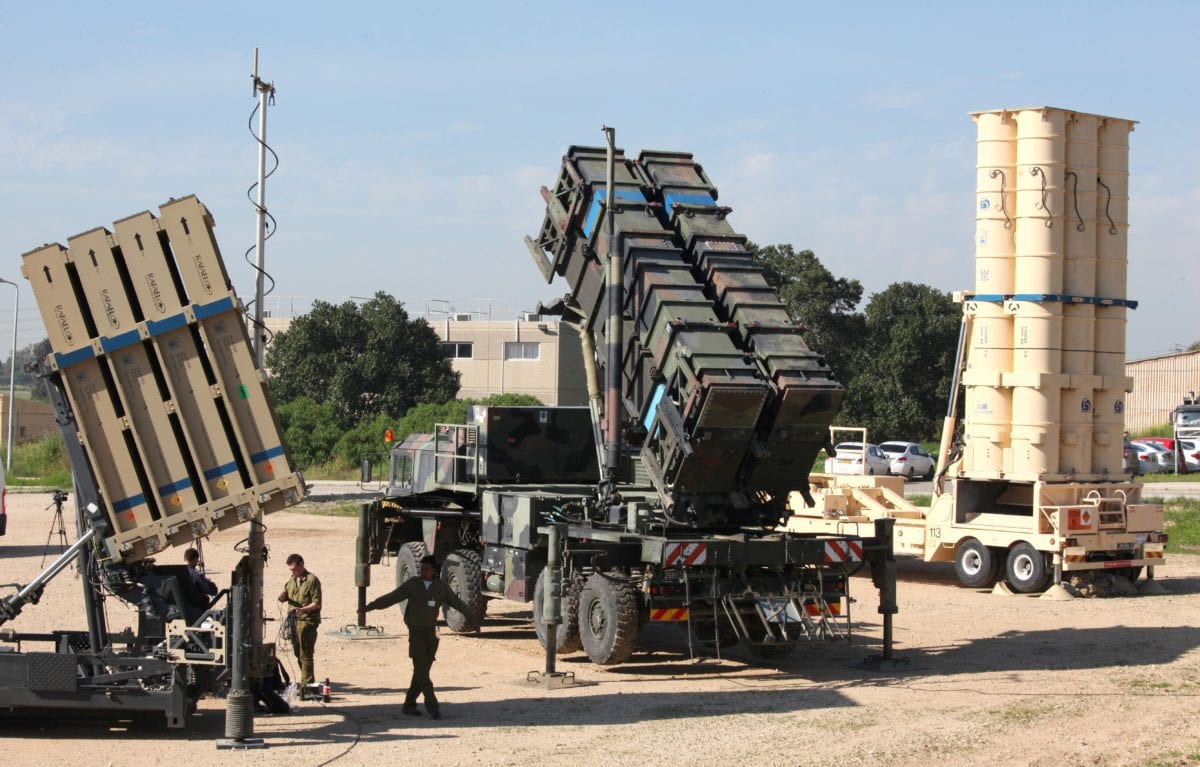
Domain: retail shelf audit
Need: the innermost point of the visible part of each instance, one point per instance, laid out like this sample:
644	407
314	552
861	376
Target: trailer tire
408	563
608	618
566	638
975	564
463	573
1026	570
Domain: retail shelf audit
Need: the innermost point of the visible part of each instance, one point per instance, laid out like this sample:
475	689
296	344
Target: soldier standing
425	595
302	592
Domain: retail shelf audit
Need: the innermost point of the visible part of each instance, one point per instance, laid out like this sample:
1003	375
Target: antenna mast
266	94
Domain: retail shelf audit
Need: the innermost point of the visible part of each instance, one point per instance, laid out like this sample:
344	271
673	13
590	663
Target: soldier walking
425	595
302	592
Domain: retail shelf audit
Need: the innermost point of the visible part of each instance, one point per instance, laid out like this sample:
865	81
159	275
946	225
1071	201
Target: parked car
1166	442
1161	461
1191	454
908	460
1131	459
850	459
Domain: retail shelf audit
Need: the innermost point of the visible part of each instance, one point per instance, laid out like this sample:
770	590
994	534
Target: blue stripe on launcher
129	503
220	471
593	214
267	454
204	311
174	487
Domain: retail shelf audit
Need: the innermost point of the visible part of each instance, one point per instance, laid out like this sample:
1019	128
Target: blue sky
413	138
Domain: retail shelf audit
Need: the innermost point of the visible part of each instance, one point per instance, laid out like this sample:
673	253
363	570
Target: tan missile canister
1067	226
149	343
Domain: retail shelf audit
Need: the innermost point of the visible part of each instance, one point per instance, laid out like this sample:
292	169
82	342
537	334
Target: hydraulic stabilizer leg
883	575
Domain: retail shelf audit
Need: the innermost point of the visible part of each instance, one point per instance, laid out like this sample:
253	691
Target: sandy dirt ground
984	679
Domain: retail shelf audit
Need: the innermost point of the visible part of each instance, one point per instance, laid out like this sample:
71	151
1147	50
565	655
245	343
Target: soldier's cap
430	560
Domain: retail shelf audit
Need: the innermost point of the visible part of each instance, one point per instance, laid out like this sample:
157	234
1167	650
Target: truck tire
608	619
566	639
975	564
1026	570
463	573
408	564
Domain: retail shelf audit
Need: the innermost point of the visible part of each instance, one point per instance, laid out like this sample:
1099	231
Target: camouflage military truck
660	499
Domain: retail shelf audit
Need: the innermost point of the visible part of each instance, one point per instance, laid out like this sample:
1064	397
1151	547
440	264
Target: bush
42	461
310	430
364	440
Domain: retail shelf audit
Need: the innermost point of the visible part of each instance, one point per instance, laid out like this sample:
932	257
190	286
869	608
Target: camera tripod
57	525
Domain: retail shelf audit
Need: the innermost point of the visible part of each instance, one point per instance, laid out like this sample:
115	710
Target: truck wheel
975	564
463	573
408	563
608	619
1026	570
566	639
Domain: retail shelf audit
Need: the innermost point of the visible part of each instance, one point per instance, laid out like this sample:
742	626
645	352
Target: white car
1191	454
908	460
849	459
1156	458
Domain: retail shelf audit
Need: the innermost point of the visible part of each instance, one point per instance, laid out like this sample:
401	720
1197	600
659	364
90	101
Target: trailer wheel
608	619
463	573
566	639
1026	570
975	564
408	563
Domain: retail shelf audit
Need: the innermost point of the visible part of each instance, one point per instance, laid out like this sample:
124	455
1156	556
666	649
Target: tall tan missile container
1044	365
1112	246
988	400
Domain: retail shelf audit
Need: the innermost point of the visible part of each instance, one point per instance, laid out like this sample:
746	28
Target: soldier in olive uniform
302	592
425	595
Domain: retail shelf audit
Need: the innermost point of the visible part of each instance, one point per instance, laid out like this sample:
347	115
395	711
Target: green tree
309	429
1195	347
904	365
363	360
826	306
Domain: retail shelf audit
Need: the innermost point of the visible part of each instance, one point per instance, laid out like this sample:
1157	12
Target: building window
456	351
520	350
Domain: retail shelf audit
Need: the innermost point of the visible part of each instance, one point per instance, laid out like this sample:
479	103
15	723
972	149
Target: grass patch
339	509
1182	524
1024	713
335	470
39	463
1149	684
1175	758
